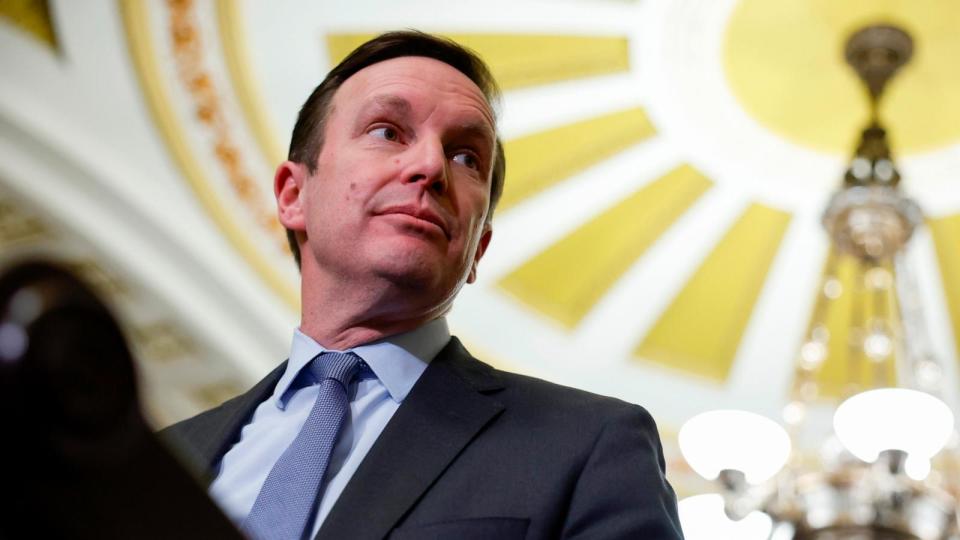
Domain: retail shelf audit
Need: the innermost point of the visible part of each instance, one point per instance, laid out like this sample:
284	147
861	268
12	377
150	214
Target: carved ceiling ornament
18	226
189	57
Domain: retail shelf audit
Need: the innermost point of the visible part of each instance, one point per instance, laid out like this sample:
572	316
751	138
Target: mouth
423	216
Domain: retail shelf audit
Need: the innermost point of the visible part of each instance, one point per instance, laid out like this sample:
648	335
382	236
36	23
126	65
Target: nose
429	165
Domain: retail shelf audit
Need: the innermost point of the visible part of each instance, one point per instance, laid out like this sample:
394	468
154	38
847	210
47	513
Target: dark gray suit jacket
474	452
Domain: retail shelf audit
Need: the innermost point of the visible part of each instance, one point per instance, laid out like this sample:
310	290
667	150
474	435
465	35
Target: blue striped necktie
287	501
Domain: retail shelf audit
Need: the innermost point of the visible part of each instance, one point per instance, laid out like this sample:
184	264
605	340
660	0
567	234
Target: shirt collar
397	361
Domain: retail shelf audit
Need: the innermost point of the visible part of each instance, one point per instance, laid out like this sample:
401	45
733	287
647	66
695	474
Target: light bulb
878	278
820	333
928	373
737	440
832	289
894	419
878	344
916	467
702	517
794	413
812	354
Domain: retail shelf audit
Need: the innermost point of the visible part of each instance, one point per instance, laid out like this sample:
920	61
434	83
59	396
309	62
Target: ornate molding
188	54
162	342
18	226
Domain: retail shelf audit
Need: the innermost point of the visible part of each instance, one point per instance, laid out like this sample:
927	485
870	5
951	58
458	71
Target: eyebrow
479	127
402	107
393	103
480	130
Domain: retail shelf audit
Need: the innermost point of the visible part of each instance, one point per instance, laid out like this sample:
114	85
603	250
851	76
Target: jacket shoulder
201	439
564	399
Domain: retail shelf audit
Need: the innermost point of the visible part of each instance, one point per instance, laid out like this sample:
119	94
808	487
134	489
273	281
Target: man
381	424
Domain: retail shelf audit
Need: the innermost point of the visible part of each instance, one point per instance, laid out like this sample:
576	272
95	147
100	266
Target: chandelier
889	468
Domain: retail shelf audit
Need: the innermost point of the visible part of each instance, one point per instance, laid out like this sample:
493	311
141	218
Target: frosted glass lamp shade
894	419
702	518
737	440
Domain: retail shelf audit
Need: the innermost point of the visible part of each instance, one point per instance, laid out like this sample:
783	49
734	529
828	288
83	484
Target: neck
343	315
346	334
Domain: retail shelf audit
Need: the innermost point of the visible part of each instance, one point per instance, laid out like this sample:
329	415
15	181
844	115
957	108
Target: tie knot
340	366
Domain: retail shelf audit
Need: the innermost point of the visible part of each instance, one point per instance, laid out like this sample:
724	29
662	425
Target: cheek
479	205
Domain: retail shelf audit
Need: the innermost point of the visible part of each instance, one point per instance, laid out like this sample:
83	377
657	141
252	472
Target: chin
429	277
417	265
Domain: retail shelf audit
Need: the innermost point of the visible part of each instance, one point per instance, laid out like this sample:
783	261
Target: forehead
424	82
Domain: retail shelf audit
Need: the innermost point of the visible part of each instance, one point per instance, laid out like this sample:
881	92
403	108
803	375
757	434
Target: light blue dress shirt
395	363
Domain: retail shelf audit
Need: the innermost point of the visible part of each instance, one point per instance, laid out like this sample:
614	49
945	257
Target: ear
288	184
481	249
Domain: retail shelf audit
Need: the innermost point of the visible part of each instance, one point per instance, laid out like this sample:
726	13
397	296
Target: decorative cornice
195	76
18	226
157	95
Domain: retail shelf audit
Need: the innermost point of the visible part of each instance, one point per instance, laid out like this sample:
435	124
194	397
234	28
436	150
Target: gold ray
568	278
701	330
519	60
946	239
33	17
540	160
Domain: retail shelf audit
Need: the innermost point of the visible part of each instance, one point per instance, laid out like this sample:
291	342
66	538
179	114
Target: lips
422	214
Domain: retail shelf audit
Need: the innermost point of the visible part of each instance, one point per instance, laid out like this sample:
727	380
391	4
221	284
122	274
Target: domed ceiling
668	163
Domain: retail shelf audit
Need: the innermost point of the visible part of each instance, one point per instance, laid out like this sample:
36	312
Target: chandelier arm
910	489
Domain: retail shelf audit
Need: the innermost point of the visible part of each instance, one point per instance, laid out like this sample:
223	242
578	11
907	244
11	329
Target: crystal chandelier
890	468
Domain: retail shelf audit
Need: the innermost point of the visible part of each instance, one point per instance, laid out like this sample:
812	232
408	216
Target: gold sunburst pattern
775	49
567	279
519	60
701	330
567	275
665	172
33	17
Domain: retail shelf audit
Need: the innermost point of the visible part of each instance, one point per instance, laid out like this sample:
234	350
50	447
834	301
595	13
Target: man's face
402	184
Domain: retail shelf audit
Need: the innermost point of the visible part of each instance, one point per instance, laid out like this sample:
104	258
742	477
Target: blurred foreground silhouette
78	459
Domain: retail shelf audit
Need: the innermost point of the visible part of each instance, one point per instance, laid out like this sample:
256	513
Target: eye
387	133
467	159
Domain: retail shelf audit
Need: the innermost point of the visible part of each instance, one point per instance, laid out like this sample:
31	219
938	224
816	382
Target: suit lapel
218	429
444	411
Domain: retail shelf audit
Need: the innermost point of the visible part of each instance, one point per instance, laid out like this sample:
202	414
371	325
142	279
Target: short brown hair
307	139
